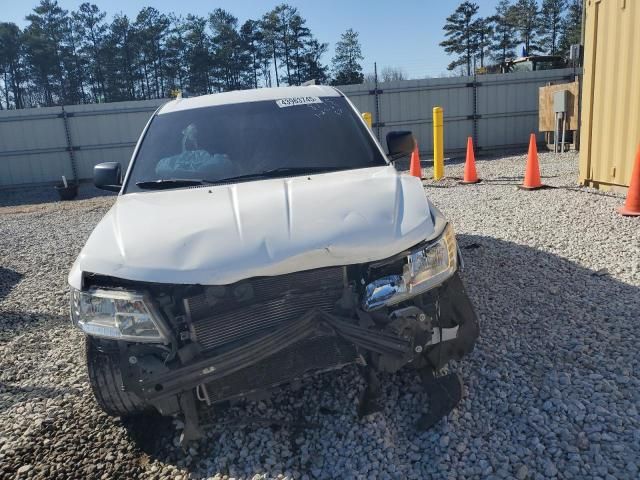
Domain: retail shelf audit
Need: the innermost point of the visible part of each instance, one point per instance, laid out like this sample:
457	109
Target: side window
523	66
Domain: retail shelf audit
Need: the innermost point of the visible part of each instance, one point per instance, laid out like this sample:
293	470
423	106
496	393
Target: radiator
226	314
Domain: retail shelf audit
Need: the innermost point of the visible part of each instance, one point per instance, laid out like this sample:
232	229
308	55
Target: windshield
547	64
526	66
251	141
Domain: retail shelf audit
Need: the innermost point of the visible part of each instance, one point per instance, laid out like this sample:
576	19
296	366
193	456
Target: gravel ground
552	389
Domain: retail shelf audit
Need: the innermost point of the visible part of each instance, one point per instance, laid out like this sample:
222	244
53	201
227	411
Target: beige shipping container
610	117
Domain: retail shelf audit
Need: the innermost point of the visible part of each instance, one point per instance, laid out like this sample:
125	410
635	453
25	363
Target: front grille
311	354
221	315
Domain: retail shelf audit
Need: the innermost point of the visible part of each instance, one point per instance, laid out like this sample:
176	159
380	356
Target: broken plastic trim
450	341
184	378
312	323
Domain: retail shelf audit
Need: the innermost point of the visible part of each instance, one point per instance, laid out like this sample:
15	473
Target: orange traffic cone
631	206
415	169
532	174
470	174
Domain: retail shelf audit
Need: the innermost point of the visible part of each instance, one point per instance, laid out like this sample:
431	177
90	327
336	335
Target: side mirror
400	144
108	176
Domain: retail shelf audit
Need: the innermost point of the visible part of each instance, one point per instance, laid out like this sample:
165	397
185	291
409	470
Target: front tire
105	377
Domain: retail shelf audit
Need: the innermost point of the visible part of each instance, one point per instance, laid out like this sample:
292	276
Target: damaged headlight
116	314
426	268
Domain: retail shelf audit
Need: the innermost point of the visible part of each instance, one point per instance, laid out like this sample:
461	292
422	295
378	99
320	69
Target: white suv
259	237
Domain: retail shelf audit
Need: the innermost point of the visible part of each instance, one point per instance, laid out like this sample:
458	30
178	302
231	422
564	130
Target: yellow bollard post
366	116
438	143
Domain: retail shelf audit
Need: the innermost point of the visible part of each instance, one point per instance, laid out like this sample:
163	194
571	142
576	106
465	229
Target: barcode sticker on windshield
293	101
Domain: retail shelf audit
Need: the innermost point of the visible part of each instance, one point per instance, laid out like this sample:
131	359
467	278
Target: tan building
610	123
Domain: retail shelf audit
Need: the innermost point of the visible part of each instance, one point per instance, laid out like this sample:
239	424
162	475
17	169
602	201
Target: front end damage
234	341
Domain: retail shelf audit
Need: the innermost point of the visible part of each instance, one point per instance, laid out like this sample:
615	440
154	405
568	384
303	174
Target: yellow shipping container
610	118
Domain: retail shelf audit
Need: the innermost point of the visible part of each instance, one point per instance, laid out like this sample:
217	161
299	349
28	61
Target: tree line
63	57
549	28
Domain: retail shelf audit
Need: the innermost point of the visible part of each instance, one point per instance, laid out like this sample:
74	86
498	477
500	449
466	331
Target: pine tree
151	28
47	42
346	61
571	29
88	22
299	37
483	32
311	66
285	32
121	73
460	30
11	65
75	65
251	38
504	39
284	15
231	60
197	55
551	24
174	67
269	26
527	21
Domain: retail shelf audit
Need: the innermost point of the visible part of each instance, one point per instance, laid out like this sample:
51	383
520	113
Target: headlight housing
116	314
426	267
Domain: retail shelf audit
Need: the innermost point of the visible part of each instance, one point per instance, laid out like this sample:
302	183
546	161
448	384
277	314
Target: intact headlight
115	314
426	268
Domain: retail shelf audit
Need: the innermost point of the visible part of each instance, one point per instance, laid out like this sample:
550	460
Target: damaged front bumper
441	326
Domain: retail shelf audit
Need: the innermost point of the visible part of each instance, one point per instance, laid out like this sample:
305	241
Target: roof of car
244	96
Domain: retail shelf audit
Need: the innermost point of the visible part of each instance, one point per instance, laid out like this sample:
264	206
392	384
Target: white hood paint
219	235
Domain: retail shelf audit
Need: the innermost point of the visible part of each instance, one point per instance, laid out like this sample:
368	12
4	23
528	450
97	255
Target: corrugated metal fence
39	145
499	111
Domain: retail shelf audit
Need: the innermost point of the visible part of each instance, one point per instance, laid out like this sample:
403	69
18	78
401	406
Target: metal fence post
67	132
375	73
475	111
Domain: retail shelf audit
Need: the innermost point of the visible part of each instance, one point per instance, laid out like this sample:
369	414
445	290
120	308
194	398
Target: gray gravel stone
522	473
23	469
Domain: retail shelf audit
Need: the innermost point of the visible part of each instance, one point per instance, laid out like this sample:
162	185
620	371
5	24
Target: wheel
105	378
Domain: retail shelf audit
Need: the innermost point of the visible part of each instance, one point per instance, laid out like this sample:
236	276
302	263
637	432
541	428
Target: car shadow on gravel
30	334
13	323
8	279
538	301
11	395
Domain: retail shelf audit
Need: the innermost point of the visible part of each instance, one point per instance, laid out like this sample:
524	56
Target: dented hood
221	234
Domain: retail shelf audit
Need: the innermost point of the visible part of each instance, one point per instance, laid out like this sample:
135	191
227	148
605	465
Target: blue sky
404	33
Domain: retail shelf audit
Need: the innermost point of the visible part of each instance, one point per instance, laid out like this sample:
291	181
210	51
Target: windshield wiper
272	173
280	172
171	183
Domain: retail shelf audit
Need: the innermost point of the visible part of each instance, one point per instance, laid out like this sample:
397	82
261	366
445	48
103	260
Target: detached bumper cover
456	311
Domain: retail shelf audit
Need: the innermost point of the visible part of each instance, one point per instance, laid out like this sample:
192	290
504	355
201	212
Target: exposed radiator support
225	314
